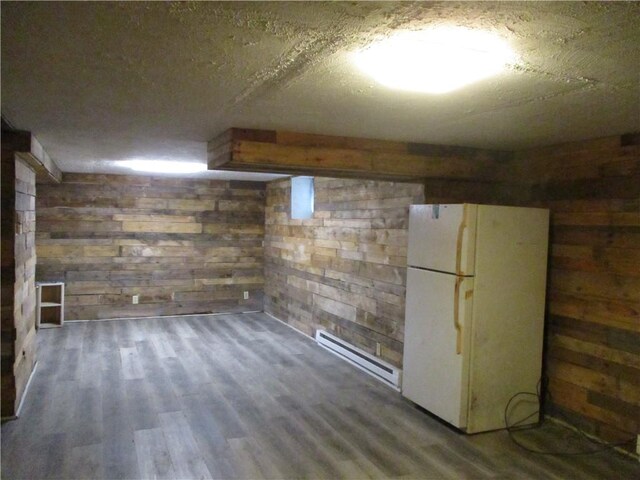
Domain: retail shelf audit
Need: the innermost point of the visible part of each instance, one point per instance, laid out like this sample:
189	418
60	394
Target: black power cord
517	427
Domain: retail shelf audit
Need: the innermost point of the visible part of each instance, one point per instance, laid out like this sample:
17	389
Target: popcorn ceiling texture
99	82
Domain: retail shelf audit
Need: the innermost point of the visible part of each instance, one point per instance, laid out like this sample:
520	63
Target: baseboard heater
372	365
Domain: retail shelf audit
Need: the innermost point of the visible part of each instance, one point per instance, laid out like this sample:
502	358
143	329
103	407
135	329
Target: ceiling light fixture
436	60
163	166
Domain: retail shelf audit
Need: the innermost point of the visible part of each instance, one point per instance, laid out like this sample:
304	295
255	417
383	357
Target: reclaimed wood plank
340	262
322	155
109	237
30	150
593	309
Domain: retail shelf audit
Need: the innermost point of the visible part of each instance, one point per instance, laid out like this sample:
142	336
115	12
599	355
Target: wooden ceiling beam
321	155
28	148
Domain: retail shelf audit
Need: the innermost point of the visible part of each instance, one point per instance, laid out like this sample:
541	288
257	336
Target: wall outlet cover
135	299
246	295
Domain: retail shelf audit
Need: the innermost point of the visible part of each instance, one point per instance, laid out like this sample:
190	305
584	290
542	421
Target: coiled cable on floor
518	427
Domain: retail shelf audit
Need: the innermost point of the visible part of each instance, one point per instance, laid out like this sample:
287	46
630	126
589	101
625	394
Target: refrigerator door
442	237
436	346
508	314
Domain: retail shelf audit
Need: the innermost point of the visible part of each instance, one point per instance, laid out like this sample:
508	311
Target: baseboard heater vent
381	370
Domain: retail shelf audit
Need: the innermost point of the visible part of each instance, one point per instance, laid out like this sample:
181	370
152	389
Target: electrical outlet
378	349
246	295
134	299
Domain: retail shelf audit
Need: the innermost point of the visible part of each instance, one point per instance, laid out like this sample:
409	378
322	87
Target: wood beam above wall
347	157
28	148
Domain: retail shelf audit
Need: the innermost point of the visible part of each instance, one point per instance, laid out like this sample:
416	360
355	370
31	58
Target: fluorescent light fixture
163	166
437	60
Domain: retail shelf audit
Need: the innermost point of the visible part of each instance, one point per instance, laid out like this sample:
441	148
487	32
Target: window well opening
301	198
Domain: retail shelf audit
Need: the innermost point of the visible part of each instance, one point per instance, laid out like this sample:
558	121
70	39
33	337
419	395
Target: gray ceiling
99	82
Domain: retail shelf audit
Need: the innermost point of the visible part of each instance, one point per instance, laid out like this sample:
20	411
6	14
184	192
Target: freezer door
442	237
436	345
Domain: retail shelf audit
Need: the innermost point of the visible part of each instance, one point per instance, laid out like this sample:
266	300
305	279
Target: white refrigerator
474	319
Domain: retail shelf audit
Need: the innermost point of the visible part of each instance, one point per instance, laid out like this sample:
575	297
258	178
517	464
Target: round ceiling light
436	60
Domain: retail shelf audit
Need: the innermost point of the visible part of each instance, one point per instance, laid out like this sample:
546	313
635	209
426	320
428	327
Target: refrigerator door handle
456	315
459	240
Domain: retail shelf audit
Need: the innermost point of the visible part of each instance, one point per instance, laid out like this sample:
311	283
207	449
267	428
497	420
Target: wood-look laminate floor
243	396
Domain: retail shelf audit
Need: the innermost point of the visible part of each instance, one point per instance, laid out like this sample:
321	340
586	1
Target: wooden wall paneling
493	192
593	333
298	153
22	158
25	291
18	278
8	282
343	270
184	246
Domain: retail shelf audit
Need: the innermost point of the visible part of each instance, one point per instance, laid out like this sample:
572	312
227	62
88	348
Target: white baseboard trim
24	395
162	316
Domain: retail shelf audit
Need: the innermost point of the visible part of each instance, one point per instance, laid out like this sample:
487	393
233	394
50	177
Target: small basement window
301	197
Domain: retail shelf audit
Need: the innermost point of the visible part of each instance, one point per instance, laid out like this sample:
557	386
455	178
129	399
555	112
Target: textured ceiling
100	82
